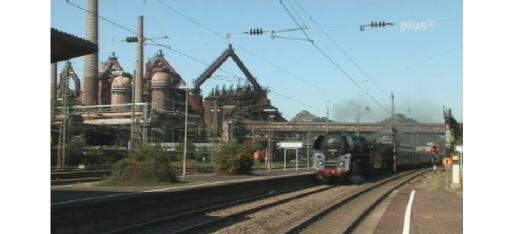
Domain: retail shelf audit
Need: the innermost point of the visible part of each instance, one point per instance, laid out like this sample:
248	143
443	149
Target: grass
441	182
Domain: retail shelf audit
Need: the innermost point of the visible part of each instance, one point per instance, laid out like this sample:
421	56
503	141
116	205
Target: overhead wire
194	58
350	58
432	57
290	98
332	61
219	35
147	39
177	51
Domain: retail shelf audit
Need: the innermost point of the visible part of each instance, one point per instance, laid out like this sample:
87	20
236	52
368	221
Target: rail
112	213
345	215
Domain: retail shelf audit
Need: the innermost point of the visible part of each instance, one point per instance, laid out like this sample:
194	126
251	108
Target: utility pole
308	147
61	149
132	125
394	150
394	131
53	87
327	115
269	151
215	119
187	90
186	135
392	108
358	120
140	59
137	87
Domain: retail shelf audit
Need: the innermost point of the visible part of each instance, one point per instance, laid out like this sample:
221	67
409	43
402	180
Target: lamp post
186	89
268	153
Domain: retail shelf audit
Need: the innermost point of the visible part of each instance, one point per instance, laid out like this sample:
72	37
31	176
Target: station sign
290	144
459	148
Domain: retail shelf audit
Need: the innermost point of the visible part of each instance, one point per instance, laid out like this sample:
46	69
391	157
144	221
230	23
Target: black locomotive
337	157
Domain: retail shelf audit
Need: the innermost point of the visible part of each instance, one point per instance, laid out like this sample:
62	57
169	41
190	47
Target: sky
418	59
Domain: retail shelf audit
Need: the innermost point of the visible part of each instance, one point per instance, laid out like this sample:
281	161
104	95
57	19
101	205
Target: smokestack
90	62
53	87
140	60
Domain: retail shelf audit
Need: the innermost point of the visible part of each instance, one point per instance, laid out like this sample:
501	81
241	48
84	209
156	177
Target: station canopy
65	46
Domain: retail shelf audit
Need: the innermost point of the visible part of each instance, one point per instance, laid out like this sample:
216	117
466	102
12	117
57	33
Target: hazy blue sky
419	58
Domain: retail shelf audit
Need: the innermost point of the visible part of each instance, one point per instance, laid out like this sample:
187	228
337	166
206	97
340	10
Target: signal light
131	39
434	149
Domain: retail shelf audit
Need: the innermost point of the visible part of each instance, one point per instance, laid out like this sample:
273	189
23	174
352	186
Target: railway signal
434	149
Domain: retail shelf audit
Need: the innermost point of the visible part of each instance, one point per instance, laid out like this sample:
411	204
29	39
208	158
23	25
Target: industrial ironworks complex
114	108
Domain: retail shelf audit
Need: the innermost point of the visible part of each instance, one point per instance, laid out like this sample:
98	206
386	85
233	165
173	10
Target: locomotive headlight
341	164
320	163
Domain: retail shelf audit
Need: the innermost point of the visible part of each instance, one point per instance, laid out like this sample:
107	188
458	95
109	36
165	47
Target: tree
147	165
234	159
74	150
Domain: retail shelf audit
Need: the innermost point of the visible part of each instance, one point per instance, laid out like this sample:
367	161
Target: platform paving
434	209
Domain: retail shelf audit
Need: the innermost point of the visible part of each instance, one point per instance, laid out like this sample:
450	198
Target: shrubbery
234	159
148	165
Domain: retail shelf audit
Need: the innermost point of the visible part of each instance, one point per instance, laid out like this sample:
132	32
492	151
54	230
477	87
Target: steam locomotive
339	157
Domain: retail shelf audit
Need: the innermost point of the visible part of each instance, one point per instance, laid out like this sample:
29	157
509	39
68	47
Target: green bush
234	159
146	166
74	150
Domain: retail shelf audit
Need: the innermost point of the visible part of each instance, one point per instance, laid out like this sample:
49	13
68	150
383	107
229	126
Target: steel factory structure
116	108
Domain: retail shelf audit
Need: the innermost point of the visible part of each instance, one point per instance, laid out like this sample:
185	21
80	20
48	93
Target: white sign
290	144
459	148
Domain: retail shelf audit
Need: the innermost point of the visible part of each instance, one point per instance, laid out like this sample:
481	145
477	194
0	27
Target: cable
168	46
299	17
323	91
341	49
420	62
333	62
290	98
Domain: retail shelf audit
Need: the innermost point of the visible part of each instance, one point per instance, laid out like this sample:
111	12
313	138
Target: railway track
83	176
205	219
345	215
71	177
224	215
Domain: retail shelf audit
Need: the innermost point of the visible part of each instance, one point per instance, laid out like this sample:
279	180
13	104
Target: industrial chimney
90	62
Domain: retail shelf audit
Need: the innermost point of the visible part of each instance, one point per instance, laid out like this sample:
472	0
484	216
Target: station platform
94	190
433	208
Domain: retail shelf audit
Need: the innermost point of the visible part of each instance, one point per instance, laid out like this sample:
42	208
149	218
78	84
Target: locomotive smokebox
334	144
